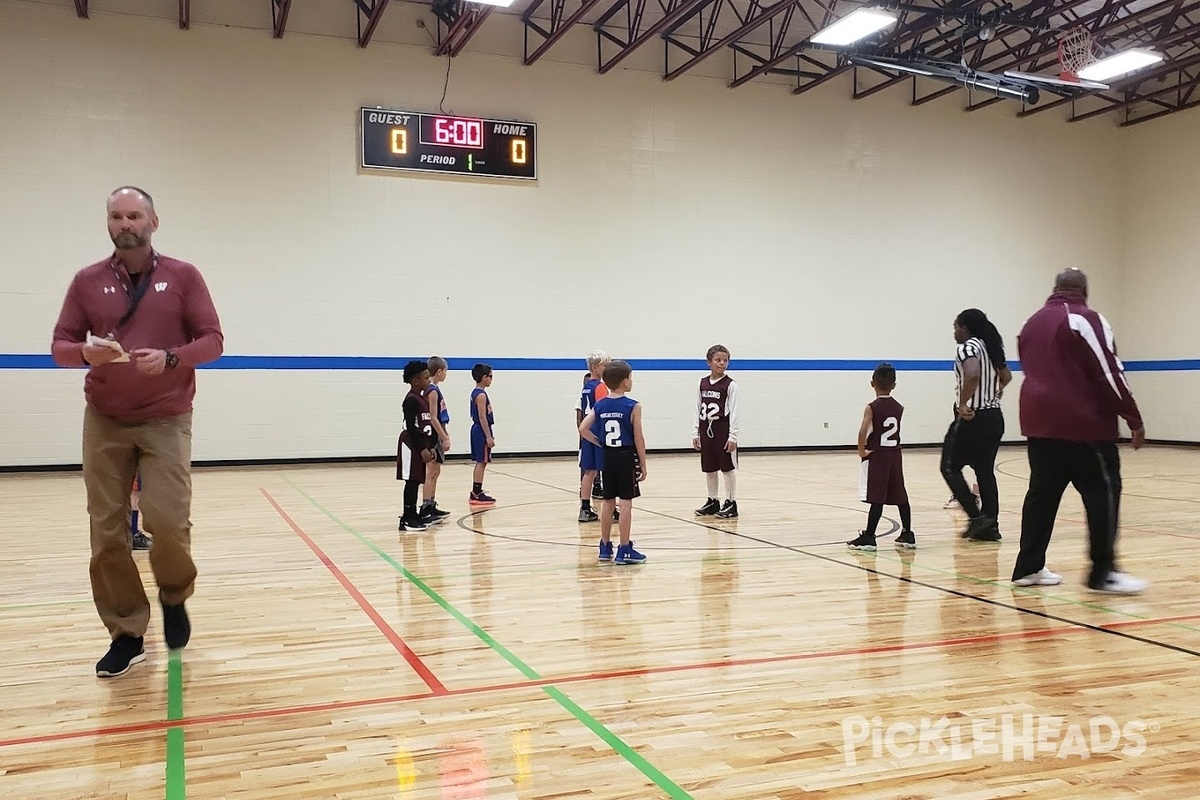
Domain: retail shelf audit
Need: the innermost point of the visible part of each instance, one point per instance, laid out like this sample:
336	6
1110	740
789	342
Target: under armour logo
160	286
110	290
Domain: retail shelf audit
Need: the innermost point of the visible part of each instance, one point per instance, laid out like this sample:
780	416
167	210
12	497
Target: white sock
711	477
730	485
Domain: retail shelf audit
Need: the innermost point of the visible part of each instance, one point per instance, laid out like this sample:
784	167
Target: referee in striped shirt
981	373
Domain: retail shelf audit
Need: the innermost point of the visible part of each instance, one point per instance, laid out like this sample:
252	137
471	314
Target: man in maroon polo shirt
1074	391
158	321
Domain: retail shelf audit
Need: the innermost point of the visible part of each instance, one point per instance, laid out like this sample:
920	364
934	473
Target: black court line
767	545
909	580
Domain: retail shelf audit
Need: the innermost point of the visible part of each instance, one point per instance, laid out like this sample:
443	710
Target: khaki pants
113	451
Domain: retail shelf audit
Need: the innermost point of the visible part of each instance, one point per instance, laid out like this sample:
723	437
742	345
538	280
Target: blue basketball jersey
587	400
475	409
437	403
614	421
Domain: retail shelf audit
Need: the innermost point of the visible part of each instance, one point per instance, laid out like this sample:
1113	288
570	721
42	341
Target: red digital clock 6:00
453	131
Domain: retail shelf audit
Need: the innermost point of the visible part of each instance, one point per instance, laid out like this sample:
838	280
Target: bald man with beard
141	322
1072	396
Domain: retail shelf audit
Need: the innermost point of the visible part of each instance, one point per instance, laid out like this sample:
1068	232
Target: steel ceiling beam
1044	11
1101	22
81	8
673	12
469	20
369	14
750	22
279	16
558	25
185	14
1131	94
889	44
1165	68
1183	88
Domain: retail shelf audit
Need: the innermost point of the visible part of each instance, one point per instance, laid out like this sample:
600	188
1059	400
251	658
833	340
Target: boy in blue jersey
615	424
482	440
591	457
440	419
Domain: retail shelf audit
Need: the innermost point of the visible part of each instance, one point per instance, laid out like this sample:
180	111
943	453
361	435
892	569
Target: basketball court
493	656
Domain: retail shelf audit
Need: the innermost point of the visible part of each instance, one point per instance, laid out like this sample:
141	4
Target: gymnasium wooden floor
493	657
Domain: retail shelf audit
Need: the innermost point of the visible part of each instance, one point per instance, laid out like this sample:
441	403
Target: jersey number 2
891	426
612	433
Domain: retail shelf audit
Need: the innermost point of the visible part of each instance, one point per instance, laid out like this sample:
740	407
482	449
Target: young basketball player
591	457
715	433
415	448
615	425
139	539
587	376
881	479
440	418
482	440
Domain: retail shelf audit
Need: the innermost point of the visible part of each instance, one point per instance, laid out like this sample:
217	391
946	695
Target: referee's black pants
1094	468
974	443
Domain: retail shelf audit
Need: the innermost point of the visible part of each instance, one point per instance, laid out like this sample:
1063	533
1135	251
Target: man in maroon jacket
1074	391
141	322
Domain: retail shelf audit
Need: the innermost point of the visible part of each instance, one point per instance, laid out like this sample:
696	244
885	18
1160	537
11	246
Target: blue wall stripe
374	363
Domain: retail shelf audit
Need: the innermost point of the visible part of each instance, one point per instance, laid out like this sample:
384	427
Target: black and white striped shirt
987	394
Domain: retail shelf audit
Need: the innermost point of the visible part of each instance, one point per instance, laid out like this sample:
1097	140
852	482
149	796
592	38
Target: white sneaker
1121	583
1043	577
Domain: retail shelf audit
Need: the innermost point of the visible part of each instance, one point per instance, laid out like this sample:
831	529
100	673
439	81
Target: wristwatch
172	359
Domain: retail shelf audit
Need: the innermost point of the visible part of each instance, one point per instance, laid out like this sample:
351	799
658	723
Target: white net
1076	50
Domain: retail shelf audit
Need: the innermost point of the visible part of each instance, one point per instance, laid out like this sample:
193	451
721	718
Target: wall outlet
826	426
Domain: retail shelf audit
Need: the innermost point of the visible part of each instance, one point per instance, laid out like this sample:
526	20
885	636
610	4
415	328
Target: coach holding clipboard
141	322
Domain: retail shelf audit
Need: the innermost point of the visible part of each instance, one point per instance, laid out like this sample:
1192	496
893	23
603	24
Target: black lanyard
136	294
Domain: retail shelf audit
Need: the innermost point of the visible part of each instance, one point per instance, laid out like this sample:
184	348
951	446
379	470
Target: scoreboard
468	146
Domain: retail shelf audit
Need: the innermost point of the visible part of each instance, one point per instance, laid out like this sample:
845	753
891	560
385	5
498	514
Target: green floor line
668	786
176	780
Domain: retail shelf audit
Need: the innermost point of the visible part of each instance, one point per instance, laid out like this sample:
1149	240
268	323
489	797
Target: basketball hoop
1076	50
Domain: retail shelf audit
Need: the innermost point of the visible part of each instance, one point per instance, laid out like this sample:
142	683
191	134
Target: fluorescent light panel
859	24
1119	64
500	3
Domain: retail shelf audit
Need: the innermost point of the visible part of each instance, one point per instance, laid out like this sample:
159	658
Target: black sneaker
123	653
140	541
177	628
586	514
429	517
412	524
729	510
709	508
907	540
983	529
865	541
597	489
438	513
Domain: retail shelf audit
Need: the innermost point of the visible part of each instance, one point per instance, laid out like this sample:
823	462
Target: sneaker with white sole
1043	577
1119	583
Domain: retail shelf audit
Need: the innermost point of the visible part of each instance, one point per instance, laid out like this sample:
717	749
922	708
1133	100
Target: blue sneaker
606	551
627	555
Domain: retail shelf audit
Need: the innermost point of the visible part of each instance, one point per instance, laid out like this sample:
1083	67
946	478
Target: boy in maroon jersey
881	480
415	448
715	433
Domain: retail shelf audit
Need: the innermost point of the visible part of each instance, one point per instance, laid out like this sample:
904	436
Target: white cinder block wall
1161	281
667	217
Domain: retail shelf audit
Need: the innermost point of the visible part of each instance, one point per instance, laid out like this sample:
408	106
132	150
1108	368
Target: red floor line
267	713
412	658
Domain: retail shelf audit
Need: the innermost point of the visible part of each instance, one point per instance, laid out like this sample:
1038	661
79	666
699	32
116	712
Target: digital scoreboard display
487	148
